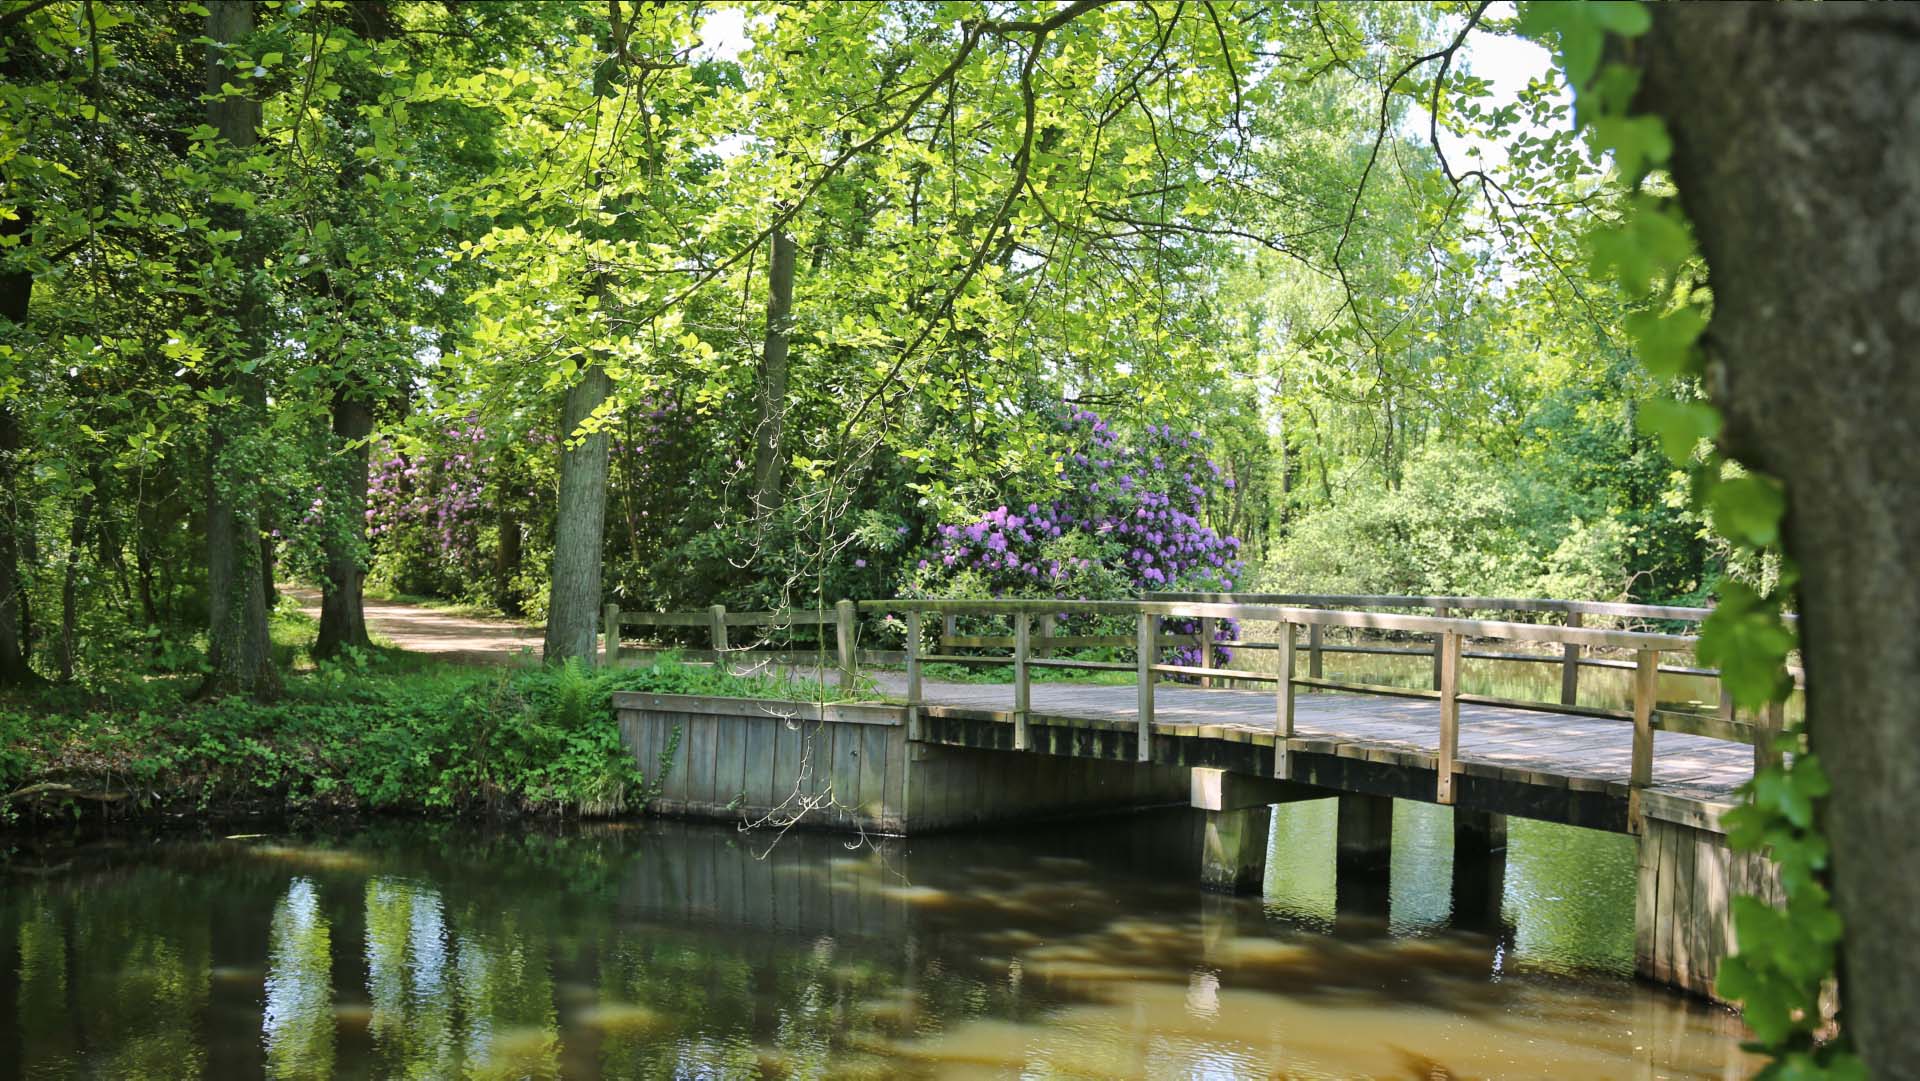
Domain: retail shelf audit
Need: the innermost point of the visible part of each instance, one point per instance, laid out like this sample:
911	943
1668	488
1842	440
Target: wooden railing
1450	633
717	619
1572	657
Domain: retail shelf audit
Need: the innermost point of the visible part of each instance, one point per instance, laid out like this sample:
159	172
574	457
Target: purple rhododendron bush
1120	518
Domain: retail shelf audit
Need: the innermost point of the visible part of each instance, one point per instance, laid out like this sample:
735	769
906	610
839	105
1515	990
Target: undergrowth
377	731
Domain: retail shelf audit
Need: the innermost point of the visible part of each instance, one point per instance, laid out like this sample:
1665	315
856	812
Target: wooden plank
845	644
1022	687
844	770
1710	903
1570	666
1439	646
1284	703
1208	627
1449	680
1145	646
894	801
1664	916
1681	925
914	692
730	759
1646	911
1314	650
610	636
759	762
1646	683
873	777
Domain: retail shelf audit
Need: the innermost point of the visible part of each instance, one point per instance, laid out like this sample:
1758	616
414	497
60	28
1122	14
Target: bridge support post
1479	869
1365	833
1233	852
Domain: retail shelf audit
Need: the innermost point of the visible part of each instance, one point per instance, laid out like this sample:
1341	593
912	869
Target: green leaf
1665	341
1679	426
1748	509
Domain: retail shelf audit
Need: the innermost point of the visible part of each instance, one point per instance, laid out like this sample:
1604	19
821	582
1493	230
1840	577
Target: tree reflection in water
668	950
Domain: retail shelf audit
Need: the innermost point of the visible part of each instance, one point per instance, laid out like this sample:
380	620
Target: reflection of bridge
961	753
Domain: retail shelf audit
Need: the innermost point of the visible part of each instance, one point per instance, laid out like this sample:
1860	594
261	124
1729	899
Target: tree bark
770	431
16	301
69	585
1797	157
506	560
239	655
343	618
14	669
573	600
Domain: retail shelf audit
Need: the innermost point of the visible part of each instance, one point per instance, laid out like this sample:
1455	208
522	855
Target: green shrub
441	739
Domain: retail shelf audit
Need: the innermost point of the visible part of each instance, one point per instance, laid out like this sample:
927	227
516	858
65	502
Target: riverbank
383	733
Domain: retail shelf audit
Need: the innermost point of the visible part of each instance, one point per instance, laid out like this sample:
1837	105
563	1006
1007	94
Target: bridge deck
1551	748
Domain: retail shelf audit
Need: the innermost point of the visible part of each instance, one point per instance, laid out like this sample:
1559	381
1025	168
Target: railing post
610	643
1283	705
915	730
1646	684
1767	727
1207	627
1147	645
844	644
1022	692
1570	667
717	618
1446	761
1045	648
949	623
1440	611
1313	650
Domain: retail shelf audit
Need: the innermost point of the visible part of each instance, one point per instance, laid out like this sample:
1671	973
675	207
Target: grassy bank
383	732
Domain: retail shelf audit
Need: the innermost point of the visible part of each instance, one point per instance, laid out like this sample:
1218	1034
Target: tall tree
1796	153
343	618
239	657
769	432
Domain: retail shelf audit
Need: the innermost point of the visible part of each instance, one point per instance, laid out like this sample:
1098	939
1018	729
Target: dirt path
443	634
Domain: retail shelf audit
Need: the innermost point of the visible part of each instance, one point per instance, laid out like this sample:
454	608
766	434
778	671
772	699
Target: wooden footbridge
1235	738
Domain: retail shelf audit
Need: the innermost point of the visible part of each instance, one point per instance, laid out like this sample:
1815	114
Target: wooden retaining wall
1686	882
851	767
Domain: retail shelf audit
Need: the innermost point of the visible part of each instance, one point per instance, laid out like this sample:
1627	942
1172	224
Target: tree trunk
1797	156
239	656
14	669
343	618
769	432
506	561
69	585
16	300
573	603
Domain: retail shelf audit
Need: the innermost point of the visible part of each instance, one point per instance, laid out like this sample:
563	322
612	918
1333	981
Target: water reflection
666	950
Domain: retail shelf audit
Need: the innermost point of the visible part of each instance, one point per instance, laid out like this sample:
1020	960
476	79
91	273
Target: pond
665	949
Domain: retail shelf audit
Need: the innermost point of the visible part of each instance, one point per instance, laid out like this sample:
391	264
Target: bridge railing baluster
1022	690
1448	662
1646	686
1283	706
1146	646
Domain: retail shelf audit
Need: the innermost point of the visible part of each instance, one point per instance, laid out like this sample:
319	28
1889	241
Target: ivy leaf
1748	509
1746	640
1666	340
1679	426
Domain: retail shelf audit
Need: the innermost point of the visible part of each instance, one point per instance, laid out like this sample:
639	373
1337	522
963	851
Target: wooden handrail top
1471	604
785	617
1325	617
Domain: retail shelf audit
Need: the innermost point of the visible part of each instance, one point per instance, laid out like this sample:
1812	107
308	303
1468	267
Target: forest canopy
540	305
